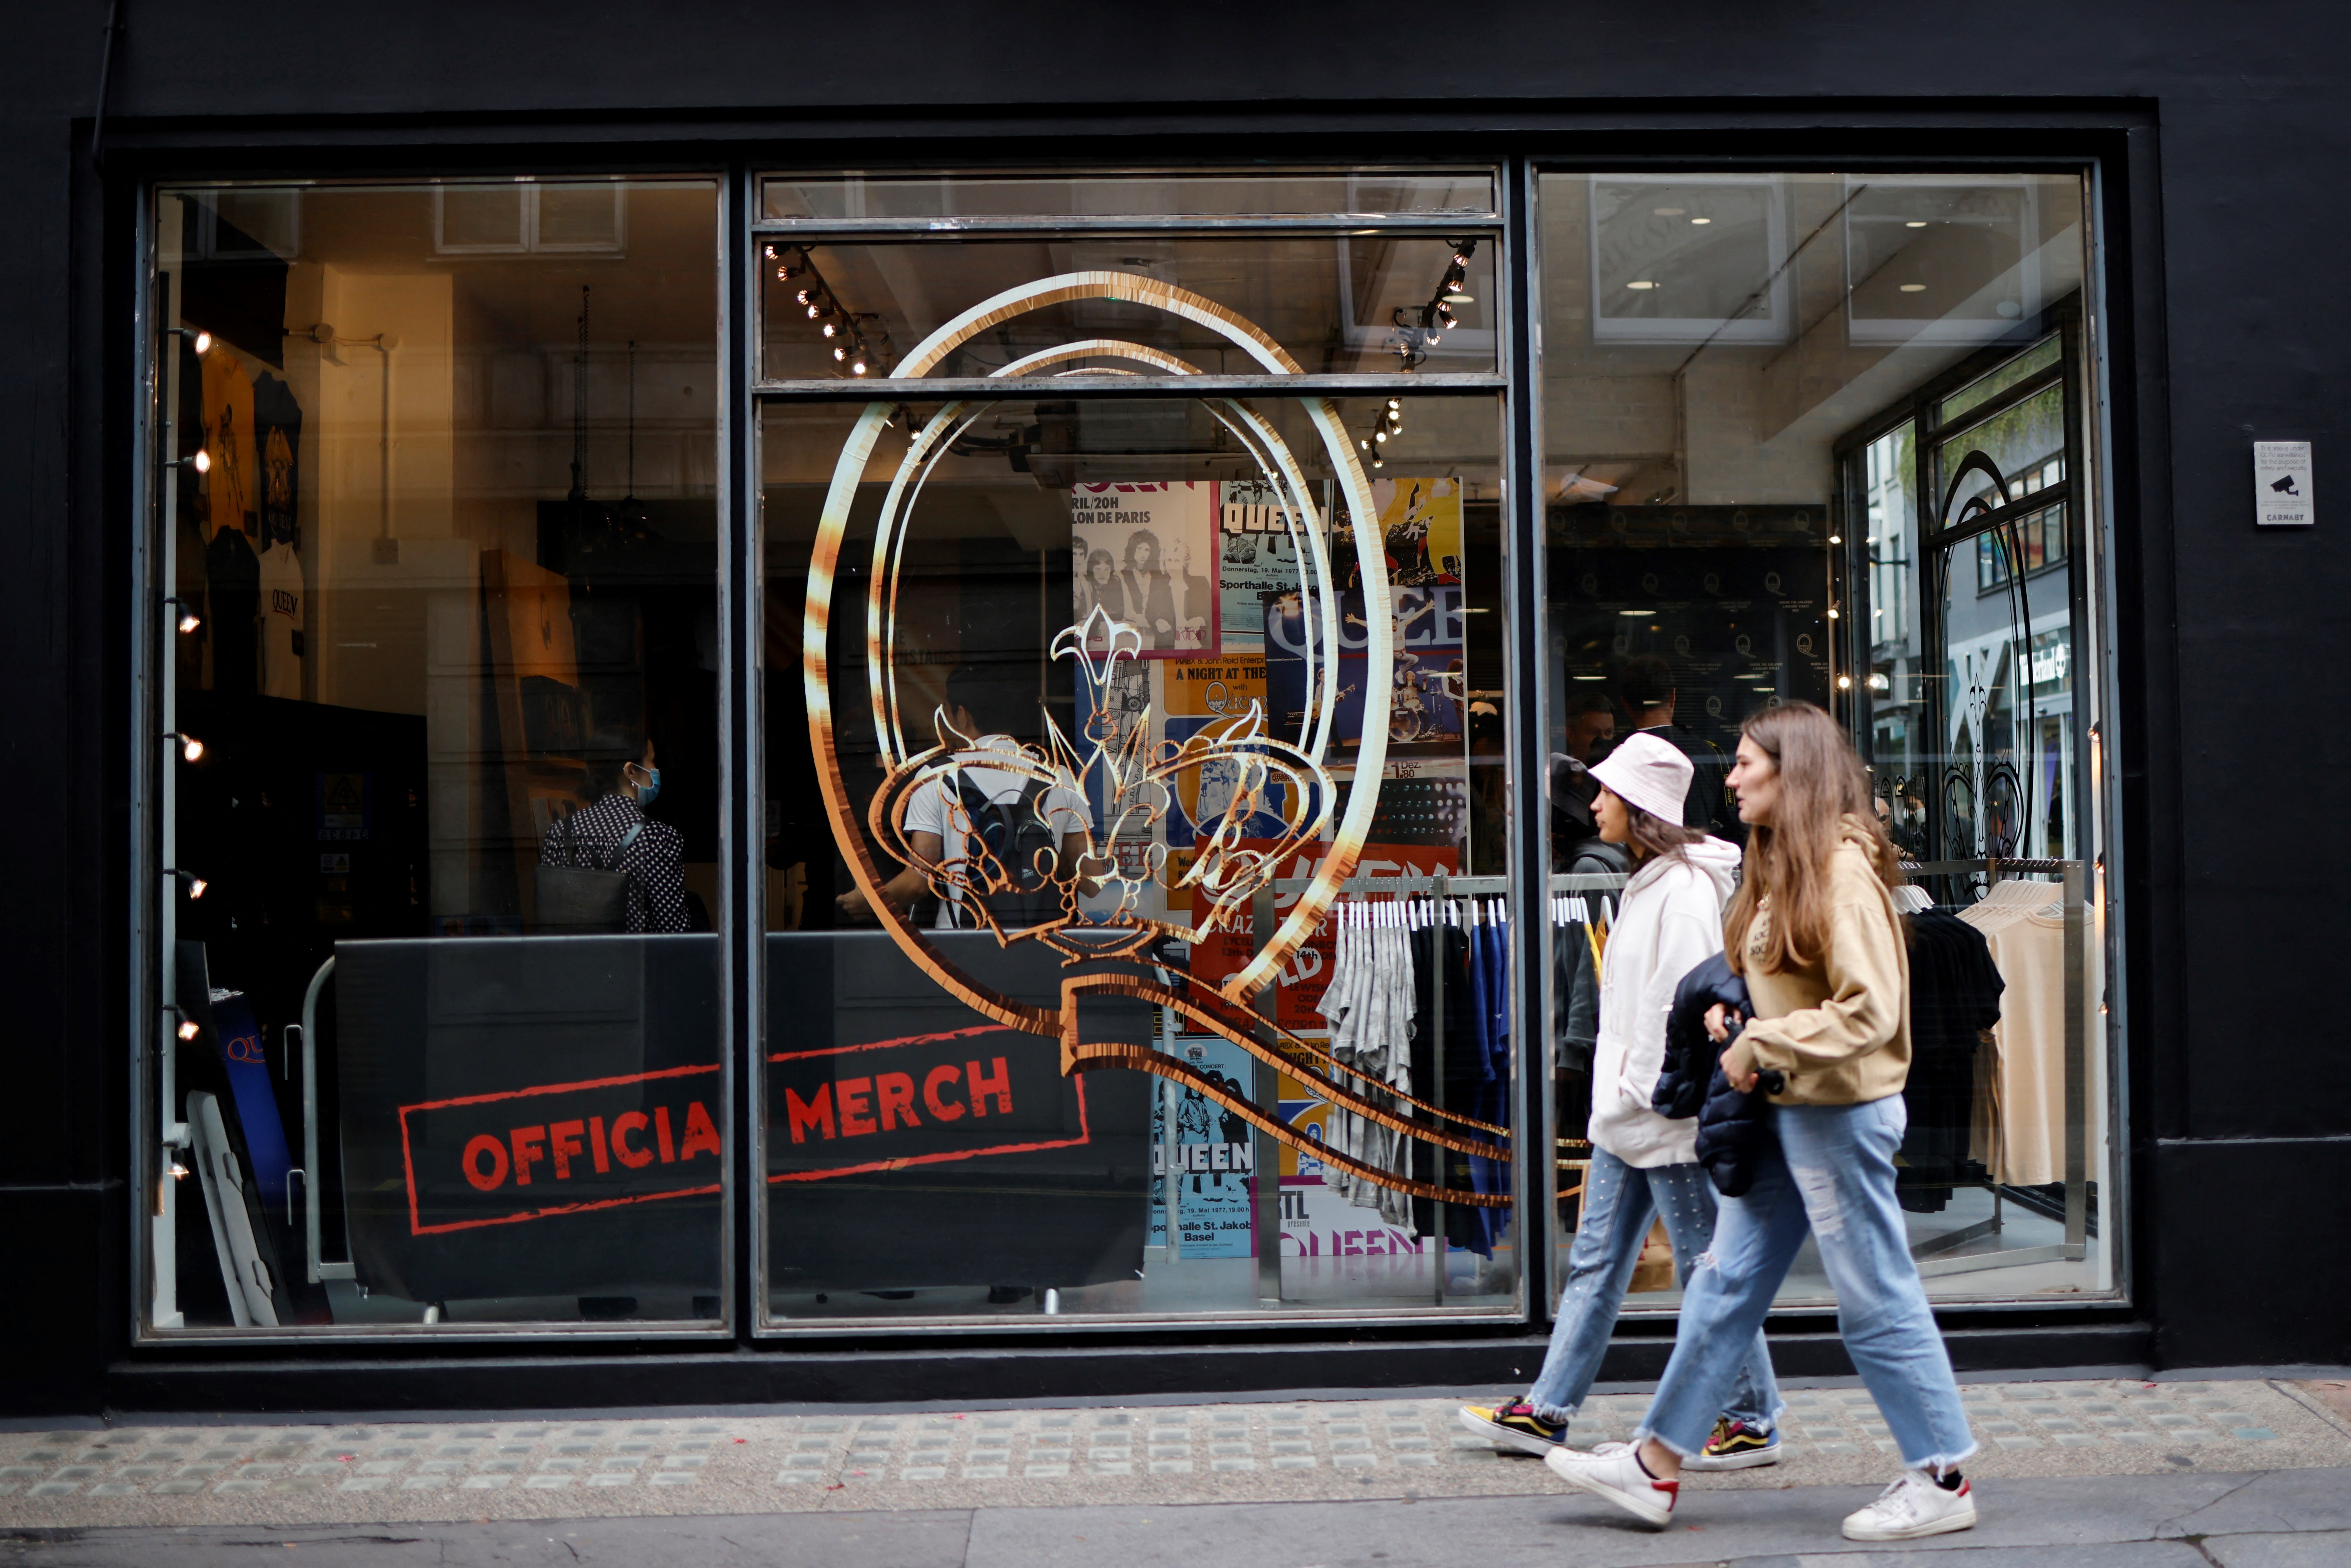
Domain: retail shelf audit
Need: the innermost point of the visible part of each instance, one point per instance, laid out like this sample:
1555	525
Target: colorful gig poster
1213	698
1427	681
1146	554
1213	1155
1258	556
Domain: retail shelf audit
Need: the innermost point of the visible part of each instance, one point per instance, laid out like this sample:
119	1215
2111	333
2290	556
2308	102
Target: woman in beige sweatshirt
1815	933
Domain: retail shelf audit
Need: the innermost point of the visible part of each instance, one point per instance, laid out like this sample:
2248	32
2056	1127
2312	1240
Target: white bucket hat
1647	772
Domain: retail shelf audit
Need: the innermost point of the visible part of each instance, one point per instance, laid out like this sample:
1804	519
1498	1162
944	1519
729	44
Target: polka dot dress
657	888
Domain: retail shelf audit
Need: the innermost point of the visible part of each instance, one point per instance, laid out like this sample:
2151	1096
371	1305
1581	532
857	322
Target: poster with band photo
1145	554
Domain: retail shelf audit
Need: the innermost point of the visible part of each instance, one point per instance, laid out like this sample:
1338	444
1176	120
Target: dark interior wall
2226	145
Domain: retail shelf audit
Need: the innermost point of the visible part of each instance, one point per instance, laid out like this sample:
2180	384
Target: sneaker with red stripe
1618	1477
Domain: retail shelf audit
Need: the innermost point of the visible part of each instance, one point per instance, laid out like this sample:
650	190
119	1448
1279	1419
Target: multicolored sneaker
1913	1505
1515	1426
1736	1446
1617	1476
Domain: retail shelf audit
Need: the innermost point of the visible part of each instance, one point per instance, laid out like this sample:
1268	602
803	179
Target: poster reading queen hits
1145	554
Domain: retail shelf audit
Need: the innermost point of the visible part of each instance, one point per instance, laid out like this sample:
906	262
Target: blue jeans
1619	1201
1832	1173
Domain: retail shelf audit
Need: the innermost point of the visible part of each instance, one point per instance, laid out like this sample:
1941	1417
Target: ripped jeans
1619	1202
1830	1173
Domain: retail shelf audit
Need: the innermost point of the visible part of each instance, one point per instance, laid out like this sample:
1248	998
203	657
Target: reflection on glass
446	1045
1330	304
1773	408
1130	696
1363	193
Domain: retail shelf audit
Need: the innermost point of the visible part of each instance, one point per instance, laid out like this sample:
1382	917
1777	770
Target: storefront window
1135	944
436	512
1821	437
1136	931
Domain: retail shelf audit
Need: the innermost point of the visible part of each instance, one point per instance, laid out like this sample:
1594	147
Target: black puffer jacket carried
1732	1132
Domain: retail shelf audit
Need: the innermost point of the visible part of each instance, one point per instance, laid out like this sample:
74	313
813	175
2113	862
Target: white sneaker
1617	1476
1913	1505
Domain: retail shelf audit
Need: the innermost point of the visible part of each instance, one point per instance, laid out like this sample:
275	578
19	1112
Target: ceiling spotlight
803	296
829	329
1836	538
1380	435
1364	444
1460	258
189	620
198	338
200	461
1832	614
195	884
187	1026
1378	461
189	747
771	253
858	369
1844	683
838	353
1395	403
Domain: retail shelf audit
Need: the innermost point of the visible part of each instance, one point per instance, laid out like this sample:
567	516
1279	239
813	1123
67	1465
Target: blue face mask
648	792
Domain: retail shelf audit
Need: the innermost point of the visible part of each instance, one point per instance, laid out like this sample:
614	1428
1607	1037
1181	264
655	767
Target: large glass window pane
1344	304
1819	436
1161	614
440	816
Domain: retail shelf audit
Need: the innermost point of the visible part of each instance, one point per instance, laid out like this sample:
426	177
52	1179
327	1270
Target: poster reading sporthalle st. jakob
1145	554
1213	1153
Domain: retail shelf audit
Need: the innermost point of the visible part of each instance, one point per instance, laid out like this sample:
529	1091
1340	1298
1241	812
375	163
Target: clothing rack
2075	1246
1438	884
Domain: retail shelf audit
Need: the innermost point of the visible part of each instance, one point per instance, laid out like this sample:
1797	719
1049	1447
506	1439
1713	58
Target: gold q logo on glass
1133	778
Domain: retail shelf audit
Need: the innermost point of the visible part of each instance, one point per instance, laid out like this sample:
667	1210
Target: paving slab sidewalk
2280	1519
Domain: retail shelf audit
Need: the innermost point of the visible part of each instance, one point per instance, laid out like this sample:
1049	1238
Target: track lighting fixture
188	879
199	340
199	460
189	747
188	620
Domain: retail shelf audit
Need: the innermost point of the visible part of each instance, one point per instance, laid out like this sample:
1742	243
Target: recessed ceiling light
1701	220
1671	212
1914	289
1644	283
1916	223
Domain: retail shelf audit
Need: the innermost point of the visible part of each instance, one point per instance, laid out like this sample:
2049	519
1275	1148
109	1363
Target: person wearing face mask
613	834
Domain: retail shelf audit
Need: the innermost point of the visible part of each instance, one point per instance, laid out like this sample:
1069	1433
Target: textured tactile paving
1232	1452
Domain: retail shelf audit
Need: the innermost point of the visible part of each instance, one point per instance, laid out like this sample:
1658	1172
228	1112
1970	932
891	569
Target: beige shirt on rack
2022	1138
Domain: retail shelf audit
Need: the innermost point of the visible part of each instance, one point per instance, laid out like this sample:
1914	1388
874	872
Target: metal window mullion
742	896
940	389
1534	1176
825	231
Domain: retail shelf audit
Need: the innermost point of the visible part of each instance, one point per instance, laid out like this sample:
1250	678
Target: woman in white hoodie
1642	1166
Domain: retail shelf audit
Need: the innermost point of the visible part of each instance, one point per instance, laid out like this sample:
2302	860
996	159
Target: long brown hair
1653	835
1824	795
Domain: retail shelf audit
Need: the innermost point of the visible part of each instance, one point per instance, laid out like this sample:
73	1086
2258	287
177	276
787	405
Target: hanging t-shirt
231	501
281	623
278	446
233	591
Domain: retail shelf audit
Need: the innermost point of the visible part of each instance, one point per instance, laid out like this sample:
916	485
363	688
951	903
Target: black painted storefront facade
2217	138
